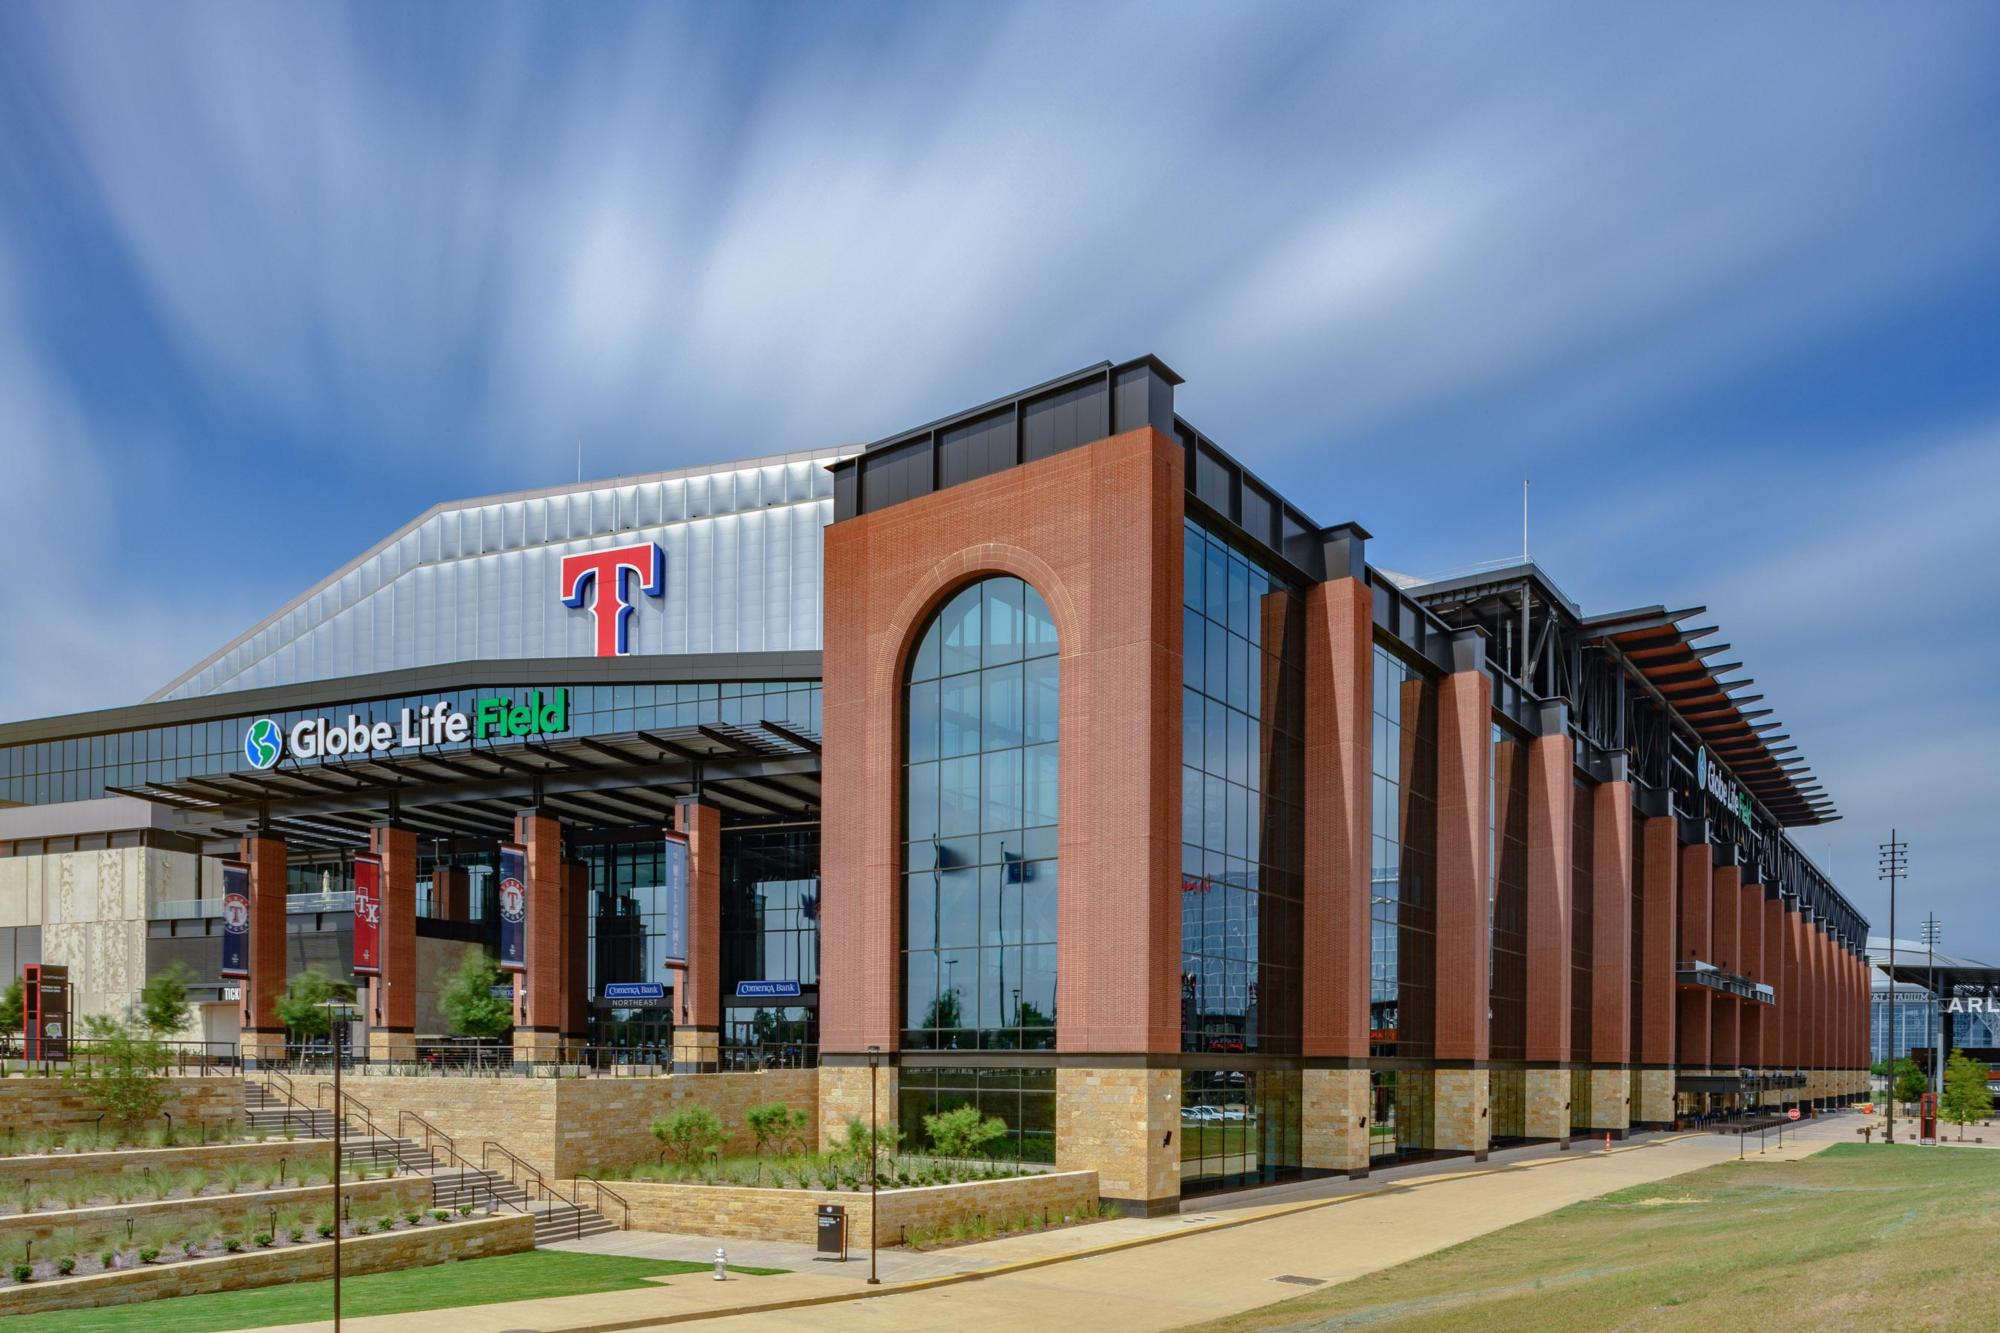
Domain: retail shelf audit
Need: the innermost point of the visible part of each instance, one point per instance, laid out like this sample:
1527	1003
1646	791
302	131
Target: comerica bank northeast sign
265	743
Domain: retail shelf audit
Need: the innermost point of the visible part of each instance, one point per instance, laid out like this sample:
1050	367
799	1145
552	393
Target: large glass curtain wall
1242	824
980	792
1238	1127
1403	967
1023	1099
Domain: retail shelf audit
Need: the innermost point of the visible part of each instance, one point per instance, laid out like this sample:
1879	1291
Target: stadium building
1041	757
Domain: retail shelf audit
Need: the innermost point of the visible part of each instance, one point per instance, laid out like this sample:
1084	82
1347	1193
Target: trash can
832	1230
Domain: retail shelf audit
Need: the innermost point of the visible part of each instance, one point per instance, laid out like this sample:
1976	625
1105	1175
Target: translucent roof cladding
479	580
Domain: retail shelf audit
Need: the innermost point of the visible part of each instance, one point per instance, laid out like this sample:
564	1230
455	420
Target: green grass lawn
530	1275
1853	1237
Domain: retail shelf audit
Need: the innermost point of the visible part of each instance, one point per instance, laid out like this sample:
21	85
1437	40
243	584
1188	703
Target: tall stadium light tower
1892	864
1933	1026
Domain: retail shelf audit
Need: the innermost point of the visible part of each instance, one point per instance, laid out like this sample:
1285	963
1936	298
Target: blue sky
1724	282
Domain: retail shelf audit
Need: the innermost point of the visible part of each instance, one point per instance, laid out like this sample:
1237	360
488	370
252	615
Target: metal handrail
602	1190
272	1078
488	1147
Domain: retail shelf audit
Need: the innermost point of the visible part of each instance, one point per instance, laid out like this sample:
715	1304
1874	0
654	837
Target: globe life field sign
539	714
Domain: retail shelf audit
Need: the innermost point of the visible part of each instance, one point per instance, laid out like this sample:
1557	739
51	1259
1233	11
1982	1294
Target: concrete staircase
455	1182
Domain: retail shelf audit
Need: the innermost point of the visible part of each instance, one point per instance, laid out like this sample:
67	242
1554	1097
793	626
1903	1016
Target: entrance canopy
753	773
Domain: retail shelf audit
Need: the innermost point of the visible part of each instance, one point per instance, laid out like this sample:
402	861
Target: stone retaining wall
506	1234
63	1103
571	1125
247	1211
791	1215
53	1168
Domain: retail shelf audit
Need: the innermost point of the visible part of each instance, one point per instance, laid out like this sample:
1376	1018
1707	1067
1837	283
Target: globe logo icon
263	743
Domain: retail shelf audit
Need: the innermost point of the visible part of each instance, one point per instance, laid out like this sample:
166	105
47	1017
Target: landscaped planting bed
53	1168
91	1137
31	1191
277	1221
363	1199
285	1261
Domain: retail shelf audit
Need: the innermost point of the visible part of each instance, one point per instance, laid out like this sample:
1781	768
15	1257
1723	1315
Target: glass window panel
1002	790
923	723
921	822
958	909
958	715
1002	621
1194	639
1042	789
958	797
920	913
924	664
1000	712
960	622
921	992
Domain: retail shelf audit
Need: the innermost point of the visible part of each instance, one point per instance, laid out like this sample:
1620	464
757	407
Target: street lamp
874	1145
1893	862
337	1012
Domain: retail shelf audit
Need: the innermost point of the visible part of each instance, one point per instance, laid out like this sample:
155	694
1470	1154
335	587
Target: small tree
963	1132
775	1124
13	1007
1966	1096
126	1082
1909	1083
302	1007
688	1133
163	1003
468	1003
863	1143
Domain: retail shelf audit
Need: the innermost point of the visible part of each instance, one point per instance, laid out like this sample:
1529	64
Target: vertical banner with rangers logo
235	919
674	900
368	916
513	908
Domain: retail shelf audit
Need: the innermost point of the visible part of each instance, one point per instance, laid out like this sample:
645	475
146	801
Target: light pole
1893	862
874	1143
338	1011
1933	931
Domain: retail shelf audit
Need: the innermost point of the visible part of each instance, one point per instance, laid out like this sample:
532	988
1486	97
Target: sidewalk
1218	1257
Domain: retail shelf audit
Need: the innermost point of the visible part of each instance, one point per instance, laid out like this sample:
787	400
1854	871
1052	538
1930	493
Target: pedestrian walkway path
1216	1257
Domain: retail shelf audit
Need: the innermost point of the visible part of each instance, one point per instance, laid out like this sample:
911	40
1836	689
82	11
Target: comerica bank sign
265	743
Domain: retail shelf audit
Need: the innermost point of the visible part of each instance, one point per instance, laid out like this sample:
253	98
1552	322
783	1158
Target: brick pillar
1611	956
1464	926
1692	1002
1822	1011
1775	1017
1725	1013
451	893
1794	988
538	990
1750	942
263	1035
698	1012
1340	673
1659	866
1551	801
576	956
394	1036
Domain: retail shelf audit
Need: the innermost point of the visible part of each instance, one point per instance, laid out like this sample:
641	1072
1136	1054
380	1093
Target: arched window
979	824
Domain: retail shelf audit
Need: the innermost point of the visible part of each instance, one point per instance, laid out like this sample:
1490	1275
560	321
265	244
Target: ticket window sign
45	1011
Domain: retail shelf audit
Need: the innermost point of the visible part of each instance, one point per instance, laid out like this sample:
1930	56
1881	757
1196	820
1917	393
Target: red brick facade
1097	531
397	1006
1340	671
1464	821
1551	796
1611	925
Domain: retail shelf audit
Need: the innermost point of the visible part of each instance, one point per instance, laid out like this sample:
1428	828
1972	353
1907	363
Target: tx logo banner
610	605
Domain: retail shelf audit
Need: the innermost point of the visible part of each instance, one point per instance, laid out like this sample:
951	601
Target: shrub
963	1132
439	1215
263	1239
465	1210
149	1254
361	1228
775	1124
688	1133
413	1218
125	1083
23	1273
192	1247
298	1235
66	1265
232	1244
108	1260
325	1230
385	1223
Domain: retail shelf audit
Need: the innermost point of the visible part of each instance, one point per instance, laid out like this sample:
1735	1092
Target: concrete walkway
1219	1256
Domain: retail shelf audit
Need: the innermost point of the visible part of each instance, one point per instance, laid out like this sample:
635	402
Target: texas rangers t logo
611	606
